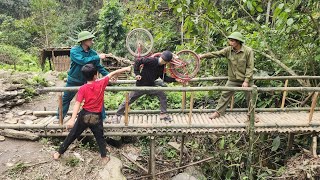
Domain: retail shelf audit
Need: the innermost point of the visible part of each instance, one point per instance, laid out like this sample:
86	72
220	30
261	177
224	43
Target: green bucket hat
237	36
84	35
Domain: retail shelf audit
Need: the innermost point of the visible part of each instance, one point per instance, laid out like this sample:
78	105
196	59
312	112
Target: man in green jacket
240	69
81	55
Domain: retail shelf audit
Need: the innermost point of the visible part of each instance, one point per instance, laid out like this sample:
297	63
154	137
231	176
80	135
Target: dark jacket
151	71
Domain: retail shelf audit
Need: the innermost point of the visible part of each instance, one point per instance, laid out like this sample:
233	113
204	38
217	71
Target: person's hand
245	84
182	81
109	54
128	68
70	124
114	79
138	77
102	56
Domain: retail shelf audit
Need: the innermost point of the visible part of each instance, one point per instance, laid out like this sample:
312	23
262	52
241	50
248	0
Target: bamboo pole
187	89
45	113
284	96
191	107
184	95
220	78
251	131
152	165
232	103
313	105
290	141
314	146
60	109
181	150
126	117
150	88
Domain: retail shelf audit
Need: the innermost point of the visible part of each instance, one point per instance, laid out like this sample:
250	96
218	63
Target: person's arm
101	69
215	54
75	111
250	67
78	58
116	72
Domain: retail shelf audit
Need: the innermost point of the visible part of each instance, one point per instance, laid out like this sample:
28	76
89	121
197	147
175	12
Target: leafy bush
13	57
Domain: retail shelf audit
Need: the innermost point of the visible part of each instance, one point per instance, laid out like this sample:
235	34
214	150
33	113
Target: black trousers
134	95
86	120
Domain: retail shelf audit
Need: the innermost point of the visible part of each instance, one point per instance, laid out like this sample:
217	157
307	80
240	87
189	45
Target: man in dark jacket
153	68
81	55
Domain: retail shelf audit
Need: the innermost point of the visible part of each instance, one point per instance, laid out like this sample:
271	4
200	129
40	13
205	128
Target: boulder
112	170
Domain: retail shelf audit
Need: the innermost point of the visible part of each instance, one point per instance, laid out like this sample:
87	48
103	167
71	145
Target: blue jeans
68	96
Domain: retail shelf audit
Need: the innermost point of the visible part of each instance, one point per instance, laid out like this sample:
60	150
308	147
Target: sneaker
165	117
115	120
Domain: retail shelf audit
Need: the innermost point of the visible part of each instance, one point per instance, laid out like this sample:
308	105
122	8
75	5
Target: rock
28	122
19	134
184	176
9	115
12	121
14	87
50	83
20	113
2	105
112	170
2	138
32	118
28	112
195	171
177	146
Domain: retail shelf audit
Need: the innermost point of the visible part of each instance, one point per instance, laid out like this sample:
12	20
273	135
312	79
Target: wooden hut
59	60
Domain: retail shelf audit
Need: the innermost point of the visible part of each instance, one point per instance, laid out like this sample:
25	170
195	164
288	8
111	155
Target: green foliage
13	57
111	33
72	161
62	75
17	169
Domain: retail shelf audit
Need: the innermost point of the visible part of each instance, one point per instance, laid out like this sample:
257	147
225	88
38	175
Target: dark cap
166	56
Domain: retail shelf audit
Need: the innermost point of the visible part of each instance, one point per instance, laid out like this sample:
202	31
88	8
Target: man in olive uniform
240	69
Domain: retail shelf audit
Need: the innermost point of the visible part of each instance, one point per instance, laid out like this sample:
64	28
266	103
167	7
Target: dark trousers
86	119
69	95
134	95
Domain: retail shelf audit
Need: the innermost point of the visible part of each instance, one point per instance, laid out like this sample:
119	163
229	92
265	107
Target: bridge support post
251	114
152	160
181	150
314	145
126	117
60	109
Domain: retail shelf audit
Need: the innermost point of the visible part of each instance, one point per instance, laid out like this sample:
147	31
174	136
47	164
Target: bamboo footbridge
190	121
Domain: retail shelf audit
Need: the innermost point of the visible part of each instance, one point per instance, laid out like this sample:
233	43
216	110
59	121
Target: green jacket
240	64
78	59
